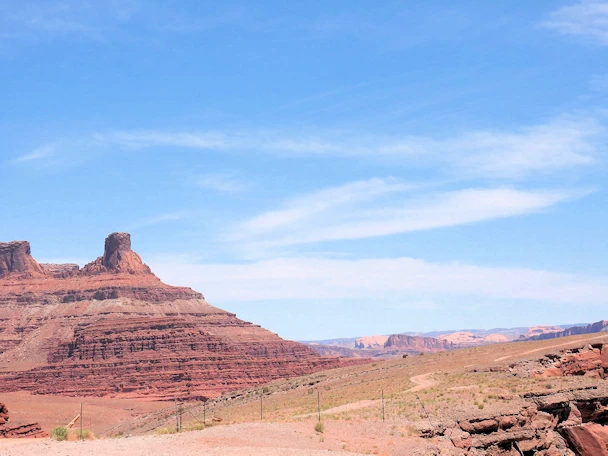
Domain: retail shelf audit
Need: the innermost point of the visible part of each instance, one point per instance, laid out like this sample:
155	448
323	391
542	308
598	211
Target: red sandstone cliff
113	328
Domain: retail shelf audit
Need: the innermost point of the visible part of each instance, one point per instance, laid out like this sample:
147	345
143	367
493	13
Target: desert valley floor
430	402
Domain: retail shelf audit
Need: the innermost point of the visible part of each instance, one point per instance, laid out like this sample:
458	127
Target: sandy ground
100	413
255	439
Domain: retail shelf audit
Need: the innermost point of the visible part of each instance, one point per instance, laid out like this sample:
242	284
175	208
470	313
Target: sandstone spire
117	257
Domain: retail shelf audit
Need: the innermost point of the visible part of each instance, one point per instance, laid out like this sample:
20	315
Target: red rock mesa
113	328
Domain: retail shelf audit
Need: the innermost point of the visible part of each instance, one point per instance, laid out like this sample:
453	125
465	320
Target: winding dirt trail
423	381
502	358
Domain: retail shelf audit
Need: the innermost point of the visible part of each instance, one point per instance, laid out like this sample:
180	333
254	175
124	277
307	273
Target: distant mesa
422	344
413	343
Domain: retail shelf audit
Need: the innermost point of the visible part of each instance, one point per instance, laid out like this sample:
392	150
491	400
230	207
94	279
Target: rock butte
113	328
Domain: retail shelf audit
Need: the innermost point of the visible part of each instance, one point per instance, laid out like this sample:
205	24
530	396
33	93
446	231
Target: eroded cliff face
16	260
113	328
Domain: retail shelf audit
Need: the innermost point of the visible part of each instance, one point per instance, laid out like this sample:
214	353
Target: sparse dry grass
353	393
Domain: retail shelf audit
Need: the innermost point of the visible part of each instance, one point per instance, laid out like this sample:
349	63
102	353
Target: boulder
590	439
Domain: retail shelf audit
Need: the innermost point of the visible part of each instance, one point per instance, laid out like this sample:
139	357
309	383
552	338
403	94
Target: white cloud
407	279
160	218
322	201
556	145
146	138
225	182
587	19
381	207
37	154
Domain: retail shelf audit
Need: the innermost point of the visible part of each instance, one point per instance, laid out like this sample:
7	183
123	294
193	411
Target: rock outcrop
564	423
113	328
590	361
9	429
16	259
117	257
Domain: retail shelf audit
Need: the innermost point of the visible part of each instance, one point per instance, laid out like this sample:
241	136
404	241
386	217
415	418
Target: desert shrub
59	433
84	435
480	406
320	427
265	390
196	427
166	430
404	356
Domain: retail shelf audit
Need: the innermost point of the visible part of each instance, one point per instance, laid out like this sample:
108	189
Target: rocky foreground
113	328
567	422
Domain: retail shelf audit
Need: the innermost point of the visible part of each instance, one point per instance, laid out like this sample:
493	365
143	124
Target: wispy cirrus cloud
160	218
224	182
37	154
544	148
382	207
586	19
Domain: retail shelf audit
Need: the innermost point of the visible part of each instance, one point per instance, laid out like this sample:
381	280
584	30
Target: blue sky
324	169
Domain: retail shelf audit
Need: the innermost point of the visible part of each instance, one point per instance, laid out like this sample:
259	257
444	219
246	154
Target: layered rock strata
113	328
565	423
9	429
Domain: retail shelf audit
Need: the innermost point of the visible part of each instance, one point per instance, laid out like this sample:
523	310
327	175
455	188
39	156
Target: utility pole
319	404
205	413
382	406
130	415
81	421
261	407
176	416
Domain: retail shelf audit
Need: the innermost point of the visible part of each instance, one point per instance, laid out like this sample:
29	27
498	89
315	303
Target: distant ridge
598	326
421	342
